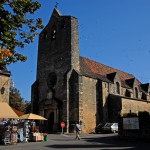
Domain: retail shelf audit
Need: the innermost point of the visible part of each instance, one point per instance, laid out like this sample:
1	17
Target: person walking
78	129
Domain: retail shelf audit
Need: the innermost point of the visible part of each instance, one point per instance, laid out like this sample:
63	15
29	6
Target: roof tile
90	67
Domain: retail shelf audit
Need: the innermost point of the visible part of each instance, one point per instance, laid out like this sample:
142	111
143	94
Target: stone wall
119	105
134	105
73	99
34	97
88	107
4	87
106	88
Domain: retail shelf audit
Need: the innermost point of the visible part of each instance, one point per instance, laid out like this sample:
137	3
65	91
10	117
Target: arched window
117	88
136	92
51	80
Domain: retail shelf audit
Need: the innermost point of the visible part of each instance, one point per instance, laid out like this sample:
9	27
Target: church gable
146	87
113	77
50	30
56	13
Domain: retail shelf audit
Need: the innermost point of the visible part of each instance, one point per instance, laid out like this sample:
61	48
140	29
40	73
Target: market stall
35	135
8	133
14	129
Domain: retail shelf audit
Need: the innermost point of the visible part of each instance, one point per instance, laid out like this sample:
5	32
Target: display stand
7	136
14	138
26	131
21	132
7	140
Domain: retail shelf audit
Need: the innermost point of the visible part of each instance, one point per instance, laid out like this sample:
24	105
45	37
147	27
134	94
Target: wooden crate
38	138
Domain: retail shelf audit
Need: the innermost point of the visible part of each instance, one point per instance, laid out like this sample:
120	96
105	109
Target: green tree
15	100
16	27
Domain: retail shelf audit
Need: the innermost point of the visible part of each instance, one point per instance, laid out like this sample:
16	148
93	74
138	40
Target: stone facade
71	88
57	57
87	103
4	85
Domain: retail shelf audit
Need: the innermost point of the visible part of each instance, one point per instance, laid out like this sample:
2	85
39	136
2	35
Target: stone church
71	88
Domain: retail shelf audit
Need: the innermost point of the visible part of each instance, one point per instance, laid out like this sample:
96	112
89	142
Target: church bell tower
58	54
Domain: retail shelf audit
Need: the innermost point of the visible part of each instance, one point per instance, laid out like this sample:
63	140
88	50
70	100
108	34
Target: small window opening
128	93
45	35
63	24
144	97
53	33
136	92
117	88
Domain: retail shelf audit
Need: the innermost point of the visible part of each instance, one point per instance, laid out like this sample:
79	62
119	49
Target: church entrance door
51	122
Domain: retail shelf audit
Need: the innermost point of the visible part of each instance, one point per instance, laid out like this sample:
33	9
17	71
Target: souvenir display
21	131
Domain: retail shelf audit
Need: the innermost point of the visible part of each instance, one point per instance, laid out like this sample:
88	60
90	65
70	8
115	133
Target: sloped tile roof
86	71
92	68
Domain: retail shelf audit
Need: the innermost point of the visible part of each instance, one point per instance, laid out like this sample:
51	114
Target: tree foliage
27	106
17	102
16	27
4	54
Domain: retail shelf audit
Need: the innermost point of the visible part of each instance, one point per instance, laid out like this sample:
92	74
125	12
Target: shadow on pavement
109	142
85	146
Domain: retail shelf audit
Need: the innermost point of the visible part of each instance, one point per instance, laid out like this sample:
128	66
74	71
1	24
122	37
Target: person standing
78	129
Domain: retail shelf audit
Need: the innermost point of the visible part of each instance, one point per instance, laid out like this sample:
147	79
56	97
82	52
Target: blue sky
113	32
